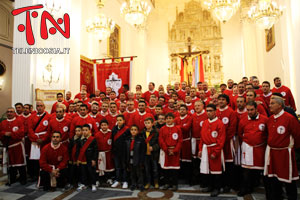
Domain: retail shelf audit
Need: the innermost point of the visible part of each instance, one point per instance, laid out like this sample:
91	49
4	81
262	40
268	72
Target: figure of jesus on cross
187	58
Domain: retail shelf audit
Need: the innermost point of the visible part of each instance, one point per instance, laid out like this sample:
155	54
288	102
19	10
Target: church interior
230	43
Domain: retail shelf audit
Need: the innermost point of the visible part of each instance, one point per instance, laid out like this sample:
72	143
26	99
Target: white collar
257	117
130	111
241	94
206	91
114	114
144	113
188	104
26	116
54	146
108	130
93	116
203	111
151	91
60	120
267	95
10	120
83	116
279	114
213	120
40	114
183	117
278	87
103	113
151	107
195	97
222	109
241	112
170	125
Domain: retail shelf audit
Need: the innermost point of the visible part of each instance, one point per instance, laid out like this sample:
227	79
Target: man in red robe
253	134
286	93
280	162
139	116
60	99
54	161
12	135
151	91
37	133
211	150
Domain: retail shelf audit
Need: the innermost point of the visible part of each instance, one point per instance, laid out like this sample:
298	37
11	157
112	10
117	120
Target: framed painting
270	38
114	43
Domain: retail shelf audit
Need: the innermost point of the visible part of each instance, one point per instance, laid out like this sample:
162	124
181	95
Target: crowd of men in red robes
213	137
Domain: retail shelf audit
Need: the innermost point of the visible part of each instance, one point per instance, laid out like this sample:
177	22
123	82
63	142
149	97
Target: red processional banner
113	75
87	75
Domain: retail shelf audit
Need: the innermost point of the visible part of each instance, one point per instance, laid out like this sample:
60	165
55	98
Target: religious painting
114	42
47	96
270	38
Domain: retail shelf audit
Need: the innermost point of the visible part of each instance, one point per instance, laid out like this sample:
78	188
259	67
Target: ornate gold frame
119	43
270	38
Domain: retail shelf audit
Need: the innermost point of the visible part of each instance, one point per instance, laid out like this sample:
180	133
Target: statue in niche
217	63
114	43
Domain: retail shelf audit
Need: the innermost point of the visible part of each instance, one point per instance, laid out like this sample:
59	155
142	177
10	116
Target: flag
201	69
113	75
87	75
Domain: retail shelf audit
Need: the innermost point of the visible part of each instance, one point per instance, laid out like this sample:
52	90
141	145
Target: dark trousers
186	171
74	174
213	180
121	172
171	176
13	173
196	176
249	179
228	175
88	174
34	168
273	188
151	168
136	175
45	179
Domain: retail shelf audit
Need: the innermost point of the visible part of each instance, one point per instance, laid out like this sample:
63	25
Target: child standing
170	140
119	134
74	148
88	158
150	136
105	162
135	149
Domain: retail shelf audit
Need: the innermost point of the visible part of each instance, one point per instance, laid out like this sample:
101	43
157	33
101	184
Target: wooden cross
189	54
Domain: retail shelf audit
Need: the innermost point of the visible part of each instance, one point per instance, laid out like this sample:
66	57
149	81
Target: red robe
170	137
181	94
104	145
253	134
25	120
148	94
97	119
112	120
185	124
190	108
16	150
261	110
267	99
128	115
241	114
229	119
80	121
63	126
287	95
41	131
207	93
139	118
197	123
283	138
233	103
212	141
167	110
194	99
54	158
228	92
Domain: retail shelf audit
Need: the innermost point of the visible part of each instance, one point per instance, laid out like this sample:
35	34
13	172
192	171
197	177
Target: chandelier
265	14
222	9
100	25
135	12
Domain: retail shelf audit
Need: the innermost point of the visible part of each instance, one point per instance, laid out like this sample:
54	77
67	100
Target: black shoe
214	193
23	182
142	188
226	189
132	187
166	186
207	189
174	188
52	189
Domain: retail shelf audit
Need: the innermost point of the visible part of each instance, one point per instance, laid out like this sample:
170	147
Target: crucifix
187	56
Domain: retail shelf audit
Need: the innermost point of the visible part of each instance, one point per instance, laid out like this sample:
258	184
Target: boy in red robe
170	140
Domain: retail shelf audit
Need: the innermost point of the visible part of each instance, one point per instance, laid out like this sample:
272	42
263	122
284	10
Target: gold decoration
114	42
270	38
